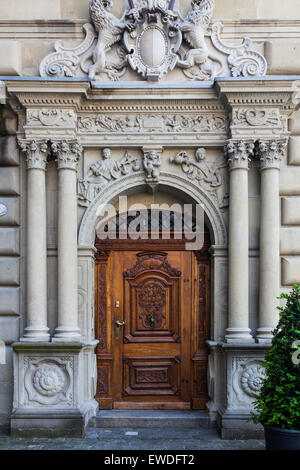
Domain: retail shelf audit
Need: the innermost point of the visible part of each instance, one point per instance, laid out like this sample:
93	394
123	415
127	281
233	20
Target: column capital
238	154
36	152
67	153
271	152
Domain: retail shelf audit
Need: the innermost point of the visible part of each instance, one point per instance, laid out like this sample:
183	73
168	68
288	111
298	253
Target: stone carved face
107	4
106	154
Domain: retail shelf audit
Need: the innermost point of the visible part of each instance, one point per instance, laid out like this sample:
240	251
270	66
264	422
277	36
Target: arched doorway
152	310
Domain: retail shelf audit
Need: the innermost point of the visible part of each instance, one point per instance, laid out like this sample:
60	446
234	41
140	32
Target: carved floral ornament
153	39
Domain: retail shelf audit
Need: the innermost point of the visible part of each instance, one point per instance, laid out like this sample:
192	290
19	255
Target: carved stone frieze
102	172
271	153
148	123
238	154
48	381
36	153
153	39
67	153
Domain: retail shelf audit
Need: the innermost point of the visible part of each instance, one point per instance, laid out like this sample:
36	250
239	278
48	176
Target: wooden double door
152	320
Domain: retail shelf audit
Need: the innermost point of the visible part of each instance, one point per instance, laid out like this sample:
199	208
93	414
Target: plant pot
281	439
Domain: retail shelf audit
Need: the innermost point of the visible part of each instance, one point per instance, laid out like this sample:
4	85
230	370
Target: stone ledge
234	425
47	423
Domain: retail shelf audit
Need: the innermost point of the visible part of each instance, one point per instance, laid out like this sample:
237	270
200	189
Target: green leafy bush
278	402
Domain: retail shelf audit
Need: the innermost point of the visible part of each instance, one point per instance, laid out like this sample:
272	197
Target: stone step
151	419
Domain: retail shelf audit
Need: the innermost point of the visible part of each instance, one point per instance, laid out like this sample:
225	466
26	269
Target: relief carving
102	172
141	123
206	173
51	117
152	300
152	39
152	164
49	381
152	261
251	379
256	118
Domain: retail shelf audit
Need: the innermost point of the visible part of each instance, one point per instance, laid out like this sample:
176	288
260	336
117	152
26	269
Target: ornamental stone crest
152	39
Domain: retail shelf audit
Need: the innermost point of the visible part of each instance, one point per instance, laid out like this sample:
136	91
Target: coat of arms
153	38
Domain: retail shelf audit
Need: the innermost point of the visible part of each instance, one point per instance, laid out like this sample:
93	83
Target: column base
241	372
234	425
64	334
239	335
54	389
47	423
264	335
37	334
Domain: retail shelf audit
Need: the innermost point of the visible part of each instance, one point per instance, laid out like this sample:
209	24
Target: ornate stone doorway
152	309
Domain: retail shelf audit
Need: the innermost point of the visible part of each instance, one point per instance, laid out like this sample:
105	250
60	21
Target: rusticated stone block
282	57
290	210
9	242
9	152
290	241
9	272
9	301
9	211
9	329
290	181
294	150
9	181
290	271
10	57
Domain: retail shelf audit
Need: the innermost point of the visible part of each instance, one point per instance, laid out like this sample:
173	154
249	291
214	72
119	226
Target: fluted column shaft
36	329
67	158
270	156
238	300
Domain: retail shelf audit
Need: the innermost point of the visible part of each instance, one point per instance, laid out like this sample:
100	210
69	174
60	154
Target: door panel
154	357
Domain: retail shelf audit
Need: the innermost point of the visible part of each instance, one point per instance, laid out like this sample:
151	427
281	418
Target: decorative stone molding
159	123
152	164
49	381
256	117
67	153
36	153
206	173
251	378
50	117
102	172
238	154
157	39
271	153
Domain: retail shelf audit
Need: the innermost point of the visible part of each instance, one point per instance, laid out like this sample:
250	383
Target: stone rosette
49	381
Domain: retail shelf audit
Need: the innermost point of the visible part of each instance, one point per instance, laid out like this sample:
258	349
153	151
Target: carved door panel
151	352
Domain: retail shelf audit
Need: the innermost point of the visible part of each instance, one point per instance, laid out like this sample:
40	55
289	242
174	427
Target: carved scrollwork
243	61
152	38
252	378
152	261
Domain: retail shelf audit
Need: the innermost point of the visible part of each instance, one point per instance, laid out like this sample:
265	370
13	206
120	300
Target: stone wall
10	309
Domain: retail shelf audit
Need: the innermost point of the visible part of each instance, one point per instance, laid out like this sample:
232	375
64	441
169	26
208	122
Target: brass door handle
119	323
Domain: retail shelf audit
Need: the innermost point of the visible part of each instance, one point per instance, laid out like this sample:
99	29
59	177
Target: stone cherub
152	163
110	30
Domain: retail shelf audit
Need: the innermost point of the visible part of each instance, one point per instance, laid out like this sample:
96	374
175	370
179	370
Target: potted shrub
277	406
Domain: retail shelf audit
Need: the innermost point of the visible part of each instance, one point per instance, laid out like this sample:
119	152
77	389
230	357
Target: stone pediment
153	41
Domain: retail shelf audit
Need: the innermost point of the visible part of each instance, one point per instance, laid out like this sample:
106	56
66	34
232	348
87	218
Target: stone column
238	256
270	156
67	158
36	329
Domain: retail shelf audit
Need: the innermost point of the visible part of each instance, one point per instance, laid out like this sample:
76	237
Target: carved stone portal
153	39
